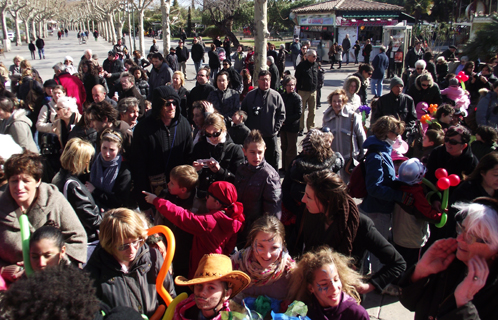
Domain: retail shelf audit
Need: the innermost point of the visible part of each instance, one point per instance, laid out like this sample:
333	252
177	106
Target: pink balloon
441	173
454	180
443	183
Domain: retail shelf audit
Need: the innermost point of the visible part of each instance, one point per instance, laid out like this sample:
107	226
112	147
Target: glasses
135	244
453	142
170	103
370	73
214	134
424	85
468	238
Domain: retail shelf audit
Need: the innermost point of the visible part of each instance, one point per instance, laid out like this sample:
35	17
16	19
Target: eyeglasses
468	238
214	134
126	246
453	142
170	103
370	73
424	85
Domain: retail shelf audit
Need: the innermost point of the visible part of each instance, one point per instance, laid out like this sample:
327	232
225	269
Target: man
380	64
271	52
449	54
119	49
306	85
217	42
73	85
197	54
275	76
364	73
172	60
414	54
128	110
367	49
159	74
183	55
238	59
112	68
346	45
102	116
126	88
396	104
302	54
266	113
235	77
160	142
99	94
40	44
295	49
183	35
201	90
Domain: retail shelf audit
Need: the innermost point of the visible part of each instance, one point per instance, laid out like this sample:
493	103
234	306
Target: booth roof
349	5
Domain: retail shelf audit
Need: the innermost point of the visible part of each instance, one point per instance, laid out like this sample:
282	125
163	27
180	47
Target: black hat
50	83
162	93
453	47
111	53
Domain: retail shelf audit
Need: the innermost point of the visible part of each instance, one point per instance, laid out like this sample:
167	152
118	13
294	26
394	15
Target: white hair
311	52
480	220
421	63
68	103
270	59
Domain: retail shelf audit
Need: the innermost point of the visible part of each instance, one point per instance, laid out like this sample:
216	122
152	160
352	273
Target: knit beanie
395	81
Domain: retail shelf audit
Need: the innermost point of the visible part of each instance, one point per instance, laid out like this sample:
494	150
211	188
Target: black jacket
182	53
235	80
132	92
197	52
431	95
81	200
120	191
293	110
307	76
440	158
412	57
172	61
239	133
275	77
40	43
401	107
214	60
135	289
115	68
362	93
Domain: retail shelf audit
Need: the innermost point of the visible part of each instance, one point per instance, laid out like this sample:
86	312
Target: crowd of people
111	149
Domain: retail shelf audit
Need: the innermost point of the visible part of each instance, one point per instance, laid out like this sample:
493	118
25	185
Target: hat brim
238	279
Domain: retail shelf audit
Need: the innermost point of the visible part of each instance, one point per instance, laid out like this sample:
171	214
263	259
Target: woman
178	83
70	68
357	49
457	278
225	100
41	202
27	84
201	109
75	161
214	61
47	248
420	66
139	60
290	128
326	282
247	82
222	156
141	80
346	127
15	73
265	259
352	87
332	52
90	78
128	64
425	90
110	177
67	117
124	267
16	124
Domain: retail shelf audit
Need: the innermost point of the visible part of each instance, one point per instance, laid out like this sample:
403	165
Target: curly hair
339	92
304	274
28	162
54	294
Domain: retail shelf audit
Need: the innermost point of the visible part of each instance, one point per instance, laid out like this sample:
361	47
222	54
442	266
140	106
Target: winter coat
271	115
275	77
143	87
133	92
50	204
238	60
214	232
23	90
431	68
158	78
340	126
432	297
293	110
154	48
214	60
75	88
441	71
235	80
431	95
379	178
19	127
199	92
188	306
480	149
114	68
354	101
486	110
295	48
239	133
136	288
440	158
182	53
412	57
183	94
401	107
46	117
380	64
172	61
280	62
228	154
40	43
197	52
346	44
81	200
225	102
363	88
120	191
307	76
89	81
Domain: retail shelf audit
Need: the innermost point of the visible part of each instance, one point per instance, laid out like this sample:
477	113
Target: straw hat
214	267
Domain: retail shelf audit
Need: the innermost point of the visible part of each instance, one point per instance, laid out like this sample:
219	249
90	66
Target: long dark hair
50	232
488	162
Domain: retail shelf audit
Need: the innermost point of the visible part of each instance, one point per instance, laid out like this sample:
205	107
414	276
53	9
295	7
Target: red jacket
74	88
420	202
213	232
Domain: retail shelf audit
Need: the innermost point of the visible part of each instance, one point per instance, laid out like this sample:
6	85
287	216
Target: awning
368	16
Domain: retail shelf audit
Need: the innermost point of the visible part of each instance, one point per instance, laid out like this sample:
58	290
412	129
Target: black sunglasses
453	142
214	134
170	103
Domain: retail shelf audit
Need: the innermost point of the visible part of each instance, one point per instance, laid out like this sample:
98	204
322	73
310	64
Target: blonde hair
77	155
268	224
386	124
304	274
121	224
18	57
182	77
186	176
216	120
26	73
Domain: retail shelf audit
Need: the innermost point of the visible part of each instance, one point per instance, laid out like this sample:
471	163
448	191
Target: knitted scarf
104	173
244	261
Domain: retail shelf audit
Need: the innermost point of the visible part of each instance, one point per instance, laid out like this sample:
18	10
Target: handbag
352	162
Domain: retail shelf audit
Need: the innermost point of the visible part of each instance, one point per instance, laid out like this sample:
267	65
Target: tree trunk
113	30
40	28
18	30
141	31
165	10
130	30
26	27
106	32
4	22
260	8
33	28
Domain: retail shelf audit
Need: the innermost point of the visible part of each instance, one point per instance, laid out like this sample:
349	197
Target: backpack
357	187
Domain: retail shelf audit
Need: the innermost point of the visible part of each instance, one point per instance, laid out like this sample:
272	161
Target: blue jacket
380	64
379	178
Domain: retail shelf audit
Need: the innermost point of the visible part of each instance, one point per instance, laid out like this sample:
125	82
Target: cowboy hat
214	267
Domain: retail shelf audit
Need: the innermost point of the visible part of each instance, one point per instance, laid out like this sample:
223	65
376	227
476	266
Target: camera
256	110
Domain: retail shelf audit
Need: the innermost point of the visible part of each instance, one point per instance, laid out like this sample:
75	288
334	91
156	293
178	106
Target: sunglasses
170	103
468	238
424	85
453	142
214	134
126	246
370	73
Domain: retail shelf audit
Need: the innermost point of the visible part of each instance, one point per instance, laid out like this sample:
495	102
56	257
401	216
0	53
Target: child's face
212	203
237	118
446	118
267	248
426	142
44	253
208	296
255	153
290	87
48	91
327	286
173	187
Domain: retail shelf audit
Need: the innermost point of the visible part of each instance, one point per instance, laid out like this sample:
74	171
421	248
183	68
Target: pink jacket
74	88
458	95
188	303
213	232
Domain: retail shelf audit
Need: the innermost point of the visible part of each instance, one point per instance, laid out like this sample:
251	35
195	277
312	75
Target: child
443	118
214	232
214	284
257	183
432	139
486	138
239	131
446	81
265	259
455	93
326	282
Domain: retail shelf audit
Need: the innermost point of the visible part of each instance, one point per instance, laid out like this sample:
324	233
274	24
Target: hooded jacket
156	148
214	232
225	102
197	52
431	95
362	93
354	100
19	127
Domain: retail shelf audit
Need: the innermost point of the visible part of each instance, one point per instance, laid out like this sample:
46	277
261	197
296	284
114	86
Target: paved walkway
378	306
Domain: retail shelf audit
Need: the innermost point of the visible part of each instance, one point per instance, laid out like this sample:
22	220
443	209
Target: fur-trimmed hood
347	84
429	78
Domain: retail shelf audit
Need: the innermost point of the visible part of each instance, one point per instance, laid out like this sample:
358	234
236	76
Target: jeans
309	101
41	52
346	52
376	85
197	65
